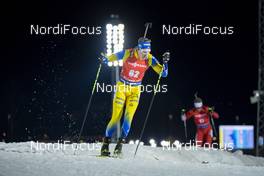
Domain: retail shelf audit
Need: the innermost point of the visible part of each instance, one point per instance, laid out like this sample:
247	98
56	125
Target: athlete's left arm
210	110
158	68
215	115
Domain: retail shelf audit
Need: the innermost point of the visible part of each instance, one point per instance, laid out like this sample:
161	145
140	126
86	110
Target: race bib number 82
133	73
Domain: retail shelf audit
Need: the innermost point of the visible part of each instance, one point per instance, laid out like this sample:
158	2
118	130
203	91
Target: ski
205	162
110	156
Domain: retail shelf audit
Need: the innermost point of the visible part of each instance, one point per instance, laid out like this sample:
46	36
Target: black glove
166	57
211	109
103	58
183	116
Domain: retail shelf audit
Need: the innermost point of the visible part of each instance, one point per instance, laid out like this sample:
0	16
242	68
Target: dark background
46	80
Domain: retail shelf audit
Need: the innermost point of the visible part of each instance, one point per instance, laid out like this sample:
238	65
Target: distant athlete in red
201	115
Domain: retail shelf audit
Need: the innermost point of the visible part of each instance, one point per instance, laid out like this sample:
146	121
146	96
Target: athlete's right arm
121	55
189	114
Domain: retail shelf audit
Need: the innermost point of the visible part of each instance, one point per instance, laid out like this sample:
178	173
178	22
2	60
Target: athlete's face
144	53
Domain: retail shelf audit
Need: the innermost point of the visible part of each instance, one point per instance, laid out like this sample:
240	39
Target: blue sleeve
155	63
113	57
120	55
165	70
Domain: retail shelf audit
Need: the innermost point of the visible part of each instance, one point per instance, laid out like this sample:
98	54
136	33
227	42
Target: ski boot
105	147
118	147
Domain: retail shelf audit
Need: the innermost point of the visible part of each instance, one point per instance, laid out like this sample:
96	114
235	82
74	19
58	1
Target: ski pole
148	25
150	106
88	105
212	121
185	126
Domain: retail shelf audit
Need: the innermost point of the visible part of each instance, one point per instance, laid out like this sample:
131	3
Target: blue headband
144	45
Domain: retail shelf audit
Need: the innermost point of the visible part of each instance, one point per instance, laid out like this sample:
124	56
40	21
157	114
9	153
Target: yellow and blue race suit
128	87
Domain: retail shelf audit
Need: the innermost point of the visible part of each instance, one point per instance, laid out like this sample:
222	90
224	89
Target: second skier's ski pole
185	125
212	120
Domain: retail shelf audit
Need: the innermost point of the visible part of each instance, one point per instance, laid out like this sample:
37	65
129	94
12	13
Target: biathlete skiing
136	62
201	115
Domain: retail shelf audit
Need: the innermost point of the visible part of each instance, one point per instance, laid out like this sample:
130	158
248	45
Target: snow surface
23	159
